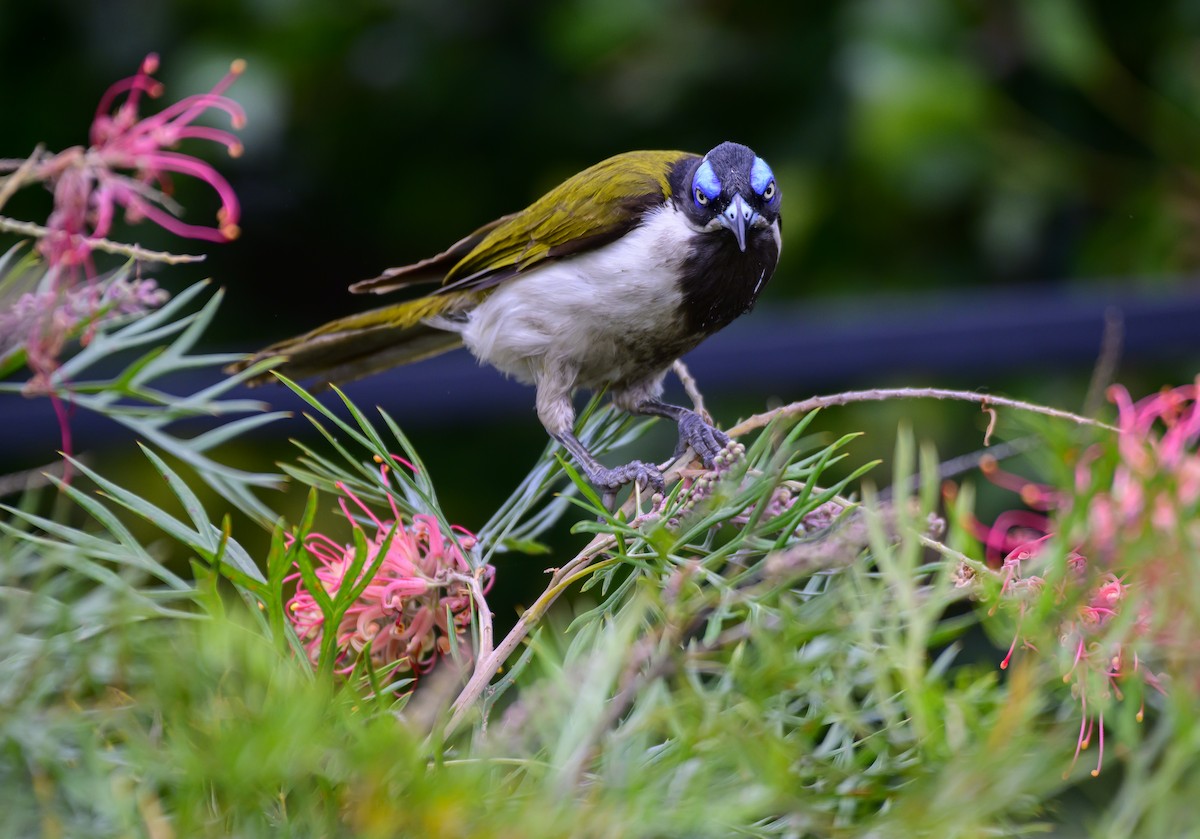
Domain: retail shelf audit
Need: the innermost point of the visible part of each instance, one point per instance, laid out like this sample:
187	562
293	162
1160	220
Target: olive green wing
590	209
431	270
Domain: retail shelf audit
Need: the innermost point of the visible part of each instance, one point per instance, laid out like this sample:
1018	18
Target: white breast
590	312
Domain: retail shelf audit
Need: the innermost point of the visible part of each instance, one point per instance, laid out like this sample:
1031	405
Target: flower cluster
127	166
129	163
699	485
60	314
1133	520
1098	664
1156	486
415	607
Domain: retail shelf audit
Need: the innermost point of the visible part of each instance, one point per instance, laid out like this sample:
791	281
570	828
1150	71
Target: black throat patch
720	282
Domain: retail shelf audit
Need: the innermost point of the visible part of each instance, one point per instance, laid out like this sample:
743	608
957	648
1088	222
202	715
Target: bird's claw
707	442
609	481
646	475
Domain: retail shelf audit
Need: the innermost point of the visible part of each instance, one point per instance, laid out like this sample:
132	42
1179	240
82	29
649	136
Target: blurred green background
968	186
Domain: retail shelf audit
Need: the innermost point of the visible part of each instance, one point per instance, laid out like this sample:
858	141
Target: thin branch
28	228
471	581
691	388
884	394
958	556
487	666
14	181
9	164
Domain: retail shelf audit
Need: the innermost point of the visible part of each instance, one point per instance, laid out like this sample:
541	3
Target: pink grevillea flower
1156	485
1148	519
1098	664
1139	533
129	164
416	606
66	312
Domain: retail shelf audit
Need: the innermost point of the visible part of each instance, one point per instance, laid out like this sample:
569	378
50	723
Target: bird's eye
705	184
769	192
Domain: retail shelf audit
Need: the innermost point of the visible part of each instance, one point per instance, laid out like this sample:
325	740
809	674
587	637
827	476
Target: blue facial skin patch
706	181
760	175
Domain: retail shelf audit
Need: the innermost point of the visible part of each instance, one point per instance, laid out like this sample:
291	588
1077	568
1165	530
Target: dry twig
37	231
486	667
11	183
691	389
884	394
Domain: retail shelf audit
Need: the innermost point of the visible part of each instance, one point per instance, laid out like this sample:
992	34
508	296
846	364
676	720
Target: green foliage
131	398
757	653
753	654
730	677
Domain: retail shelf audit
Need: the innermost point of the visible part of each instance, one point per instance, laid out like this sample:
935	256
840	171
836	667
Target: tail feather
360	345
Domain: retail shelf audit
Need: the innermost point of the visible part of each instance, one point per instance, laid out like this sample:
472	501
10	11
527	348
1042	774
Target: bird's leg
705	440
609	480
558	416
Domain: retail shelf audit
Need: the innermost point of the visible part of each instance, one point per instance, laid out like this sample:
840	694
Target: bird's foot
706	441
609	481
646	475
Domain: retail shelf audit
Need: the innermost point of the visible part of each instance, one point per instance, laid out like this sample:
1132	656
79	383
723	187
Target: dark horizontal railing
972	339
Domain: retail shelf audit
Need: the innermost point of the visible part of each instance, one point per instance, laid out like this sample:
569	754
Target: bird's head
731	191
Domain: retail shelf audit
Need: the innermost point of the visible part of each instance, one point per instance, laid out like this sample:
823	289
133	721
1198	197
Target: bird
603	282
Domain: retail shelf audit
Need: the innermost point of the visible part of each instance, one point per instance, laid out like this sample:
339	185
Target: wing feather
588	210
431	270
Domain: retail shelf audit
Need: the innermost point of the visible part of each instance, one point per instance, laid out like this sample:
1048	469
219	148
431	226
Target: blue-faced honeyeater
604	281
